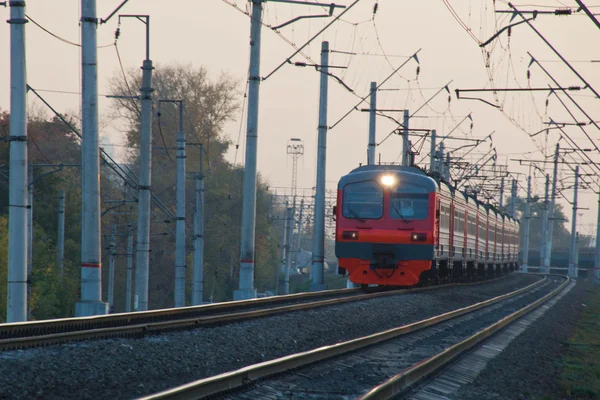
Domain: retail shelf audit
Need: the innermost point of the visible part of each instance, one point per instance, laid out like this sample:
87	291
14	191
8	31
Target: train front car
385	225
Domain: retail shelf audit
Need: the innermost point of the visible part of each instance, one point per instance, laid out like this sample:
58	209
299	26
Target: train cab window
363	200
409	201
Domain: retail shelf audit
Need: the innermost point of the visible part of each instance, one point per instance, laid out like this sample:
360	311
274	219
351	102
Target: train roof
421	177
369	172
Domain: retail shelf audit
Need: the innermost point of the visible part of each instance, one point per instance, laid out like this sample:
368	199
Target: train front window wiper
355	215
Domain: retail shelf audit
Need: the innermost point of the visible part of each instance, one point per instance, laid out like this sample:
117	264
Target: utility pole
246	285
142	259
432	156
501	194
111	268
288	254
284	248
596	277
299	235
91	256
16	309
550	223
129	267
60	242
573	273
318	245
527	218
447	167
180	264
406	144
372	123
441	163
544	223
30	178
198	284
513	200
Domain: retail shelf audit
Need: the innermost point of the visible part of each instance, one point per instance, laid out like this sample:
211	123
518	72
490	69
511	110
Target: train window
363	200
409	201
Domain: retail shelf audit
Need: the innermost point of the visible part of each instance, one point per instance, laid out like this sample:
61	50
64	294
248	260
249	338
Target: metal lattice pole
544	223
288	253
16	310
597	257
432	153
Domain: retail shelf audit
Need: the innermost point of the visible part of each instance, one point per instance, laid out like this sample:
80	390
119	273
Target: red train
396	226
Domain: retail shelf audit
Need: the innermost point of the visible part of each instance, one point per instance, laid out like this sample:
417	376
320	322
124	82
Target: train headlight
350	235
388	180
418	237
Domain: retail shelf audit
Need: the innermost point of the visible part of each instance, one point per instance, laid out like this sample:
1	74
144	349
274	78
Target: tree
208	105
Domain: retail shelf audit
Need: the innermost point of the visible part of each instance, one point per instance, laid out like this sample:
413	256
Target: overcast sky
213	34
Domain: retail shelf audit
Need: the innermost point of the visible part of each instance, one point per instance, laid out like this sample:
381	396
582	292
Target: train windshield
409	201
363	200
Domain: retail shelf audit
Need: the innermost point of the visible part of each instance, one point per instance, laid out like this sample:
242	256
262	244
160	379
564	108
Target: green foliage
580	376
208	104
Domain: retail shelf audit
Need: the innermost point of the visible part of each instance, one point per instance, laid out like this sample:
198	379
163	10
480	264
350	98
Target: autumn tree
209	103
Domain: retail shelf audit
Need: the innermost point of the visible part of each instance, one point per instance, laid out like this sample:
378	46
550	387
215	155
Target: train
397	226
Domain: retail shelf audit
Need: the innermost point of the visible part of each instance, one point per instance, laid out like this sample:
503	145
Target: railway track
57	331
357	367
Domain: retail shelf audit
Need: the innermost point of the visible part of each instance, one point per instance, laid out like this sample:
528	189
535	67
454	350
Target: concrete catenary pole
16	309
513	199
526	220
441	164
432	152
129	267
246	288
573	248
284	249
142	259
299	235
544	223
198	283
318	245
30	187
180	264
597	258
60	242
91	255
289	216
372	121
405	142
111	267
447	168
550	223
501	204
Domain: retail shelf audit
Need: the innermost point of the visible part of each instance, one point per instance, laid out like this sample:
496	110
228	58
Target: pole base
244	294
572	272
89	308
317	287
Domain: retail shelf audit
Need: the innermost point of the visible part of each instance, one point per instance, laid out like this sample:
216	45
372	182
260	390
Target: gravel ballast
128	368
530	366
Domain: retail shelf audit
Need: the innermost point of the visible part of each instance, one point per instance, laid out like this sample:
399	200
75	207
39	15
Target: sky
446	33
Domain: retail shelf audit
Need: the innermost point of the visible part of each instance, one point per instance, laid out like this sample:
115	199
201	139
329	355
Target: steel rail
62	325
235	379
153	322
404	380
